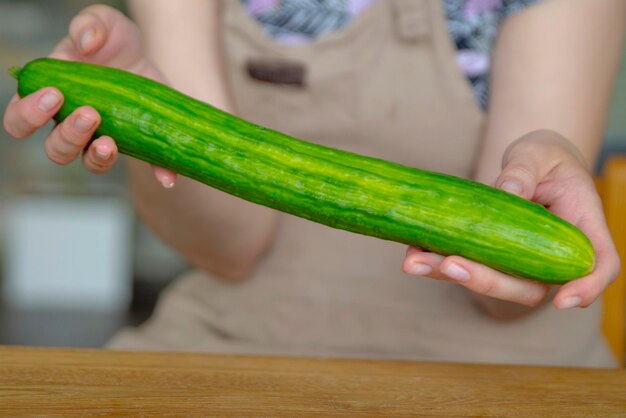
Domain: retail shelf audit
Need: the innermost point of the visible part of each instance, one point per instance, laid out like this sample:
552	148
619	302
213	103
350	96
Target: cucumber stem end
15	72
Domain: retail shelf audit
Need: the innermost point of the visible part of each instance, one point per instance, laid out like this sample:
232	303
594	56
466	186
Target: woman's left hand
546	168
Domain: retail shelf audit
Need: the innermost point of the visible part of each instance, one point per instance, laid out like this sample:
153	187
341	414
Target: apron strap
412	19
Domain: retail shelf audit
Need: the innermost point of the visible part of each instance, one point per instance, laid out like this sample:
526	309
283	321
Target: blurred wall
617	117
30	29
616	129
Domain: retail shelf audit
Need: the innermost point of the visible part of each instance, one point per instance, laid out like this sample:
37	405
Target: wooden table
66	382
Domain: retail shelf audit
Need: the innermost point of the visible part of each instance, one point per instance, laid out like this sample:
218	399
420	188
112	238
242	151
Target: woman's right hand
99	35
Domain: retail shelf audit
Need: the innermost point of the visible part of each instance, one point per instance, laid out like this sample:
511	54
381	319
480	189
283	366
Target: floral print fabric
473	26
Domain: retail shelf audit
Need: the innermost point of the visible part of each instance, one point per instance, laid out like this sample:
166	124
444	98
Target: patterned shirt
472	24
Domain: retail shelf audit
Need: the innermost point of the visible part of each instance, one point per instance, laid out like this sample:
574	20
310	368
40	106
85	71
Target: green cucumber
365	195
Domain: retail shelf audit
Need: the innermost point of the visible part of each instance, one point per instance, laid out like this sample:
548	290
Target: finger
88	31
571	294
423	263
489	282
71	136
166	177
87	35
518	179
528	160
24	116
101	155
103	35
520	173
476	277
583	292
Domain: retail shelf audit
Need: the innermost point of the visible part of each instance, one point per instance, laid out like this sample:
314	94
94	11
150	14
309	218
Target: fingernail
420	269
167	183
85	37
49	101
103	152
570	302
166	178
83	124
513	187
456	272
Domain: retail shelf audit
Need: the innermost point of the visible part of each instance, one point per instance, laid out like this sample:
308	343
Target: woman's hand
100	35
546	168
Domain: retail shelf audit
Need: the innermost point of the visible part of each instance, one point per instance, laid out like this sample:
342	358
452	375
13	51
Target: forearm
554	69
212	230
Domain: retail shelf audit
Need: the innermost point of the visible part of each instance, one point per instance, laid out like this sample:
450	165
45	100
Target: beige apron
389	86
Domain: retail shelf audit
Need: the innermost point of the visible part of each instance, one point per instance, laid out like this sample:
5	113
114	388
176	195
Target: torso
388	85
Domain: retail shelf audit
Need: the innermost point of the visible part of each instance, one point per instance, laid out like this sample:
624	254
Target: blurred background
75	262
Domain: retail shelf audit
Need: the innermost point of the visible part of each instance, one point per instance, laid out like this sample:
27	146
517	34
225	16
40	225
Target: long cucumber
365	195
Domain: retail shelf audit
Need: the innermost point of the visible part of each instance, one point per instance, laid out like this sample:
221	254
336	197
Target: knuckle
487	287
535	298
591	292
25	122
71	138
74	141
57	158
55	155
522	172
597	287
95	167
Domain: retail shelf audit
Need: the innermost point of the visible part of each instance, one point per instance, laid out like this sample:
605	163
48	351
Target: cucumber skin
434	211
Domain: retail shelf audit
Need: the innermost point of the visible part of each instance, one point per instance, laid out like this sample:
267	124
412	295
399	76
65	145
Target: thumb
519	176
101	34
528	160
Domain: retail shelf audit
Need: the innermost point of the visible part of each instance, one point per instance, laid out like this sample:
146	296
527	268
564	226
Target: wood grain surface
72	382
